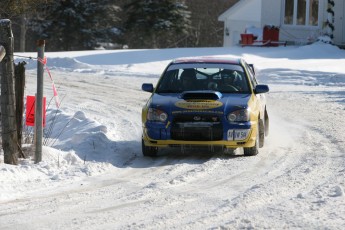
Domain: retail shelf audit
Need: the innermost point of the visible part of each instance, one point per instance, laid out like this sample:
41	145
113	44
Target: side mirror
261	89
148	87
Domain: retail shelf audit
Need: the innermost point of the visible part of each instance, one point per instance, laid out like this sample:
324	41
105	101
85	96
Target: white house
299	21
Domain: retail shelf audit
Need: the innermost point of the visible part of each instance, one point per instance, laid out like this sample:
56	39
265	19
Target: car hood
202	102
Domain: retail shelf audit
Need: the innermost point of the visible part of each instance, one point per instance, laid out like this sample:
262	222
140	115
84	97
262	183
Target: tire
148	151
252	151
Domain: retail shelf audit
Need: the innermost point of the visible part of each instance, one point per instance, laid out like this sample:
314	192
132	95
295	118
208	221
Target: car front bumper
232	137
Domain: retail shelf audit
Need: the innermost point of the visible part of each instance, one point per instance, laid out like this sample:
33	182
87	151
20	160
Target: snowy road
295	181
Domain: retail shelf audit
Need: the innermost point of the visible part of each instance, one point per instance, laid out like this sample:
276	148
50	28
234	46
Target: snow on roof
247	10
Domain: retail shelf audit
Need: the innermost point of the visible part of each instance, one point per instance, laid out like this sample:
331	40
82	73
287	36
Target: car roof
221	60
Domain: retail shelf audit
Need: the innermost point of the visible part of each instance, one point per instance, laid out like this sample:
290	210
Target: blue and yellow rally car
205	101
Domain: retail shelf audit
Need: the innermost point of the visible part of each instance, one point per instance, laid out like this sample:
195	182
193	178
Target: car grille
197	128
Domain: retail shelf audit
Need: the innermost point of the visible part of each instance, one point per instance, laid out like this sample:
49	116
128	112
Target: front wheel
252	151
148	151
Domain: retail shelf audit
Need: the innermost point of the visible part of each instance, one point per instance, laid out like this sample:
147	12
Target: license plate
237	134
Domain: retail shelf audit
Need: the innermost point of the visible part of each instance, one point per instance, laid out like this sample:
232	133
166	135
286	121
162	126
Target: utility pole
8	105
39	102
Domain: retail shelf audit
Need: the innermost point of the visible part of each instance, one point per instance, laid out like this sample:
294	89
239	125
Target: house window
289	6
301	12
314	13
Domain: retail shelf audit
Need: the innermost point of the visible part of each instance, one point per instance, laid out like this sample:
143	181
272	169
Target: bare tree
206	29
156	21
19	11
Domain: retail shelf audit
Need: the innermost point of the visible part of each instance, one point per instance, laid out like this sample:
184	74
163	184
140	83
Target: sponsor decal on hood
198	104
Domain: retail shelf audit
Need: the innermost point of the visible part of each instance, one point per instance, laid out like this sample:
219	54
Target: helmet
188	79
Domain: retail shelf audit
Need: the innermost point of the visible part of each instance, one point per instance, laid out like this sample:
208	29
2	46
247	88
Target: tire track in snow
309	169
293	176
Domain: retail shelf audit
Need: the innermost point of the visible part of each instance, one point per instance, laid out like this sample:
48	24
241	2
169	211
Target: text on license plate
238	134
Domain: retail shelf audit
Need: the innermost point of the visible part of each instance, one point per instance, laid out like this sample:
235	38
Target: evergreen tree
155	23
76	24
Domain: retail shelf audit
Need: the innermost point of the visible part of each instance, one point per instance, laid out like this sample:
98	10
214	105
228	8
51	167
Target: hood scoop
204	95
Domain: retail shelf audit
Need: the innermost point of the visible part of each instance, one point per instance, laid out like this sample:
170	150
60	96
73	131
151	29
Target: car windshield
225	78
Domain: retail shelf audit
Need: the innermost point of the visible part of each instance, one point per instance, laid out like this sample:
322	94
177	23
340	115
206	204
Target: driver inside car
230	80
188	80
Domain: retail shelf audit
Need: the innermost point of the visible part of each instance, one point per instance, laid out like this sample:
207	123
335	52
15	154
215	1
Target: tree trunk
8	115
22	33
2	52
154	41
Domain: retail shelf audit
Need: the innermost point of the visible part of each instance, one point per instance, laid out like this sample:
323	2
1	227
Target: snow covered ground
93	175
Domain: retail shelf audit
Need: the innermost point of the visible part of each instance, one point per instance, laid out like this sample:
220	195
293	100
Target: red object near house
30	111
271	33
247	39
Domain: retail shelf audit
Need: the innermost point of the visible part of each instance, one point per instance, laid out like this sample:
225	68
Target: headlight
156	115
239	115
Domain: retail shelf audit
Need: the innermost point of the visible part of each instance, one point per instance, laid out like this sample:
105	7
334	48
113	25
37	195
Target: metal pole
39	102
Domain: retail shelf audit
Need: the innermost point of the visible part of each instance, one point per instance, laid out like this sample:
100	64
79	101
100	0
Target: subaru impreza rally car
205	101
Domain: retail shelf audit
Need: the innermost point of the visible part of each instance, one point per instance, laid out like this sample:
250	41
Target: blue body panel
167	103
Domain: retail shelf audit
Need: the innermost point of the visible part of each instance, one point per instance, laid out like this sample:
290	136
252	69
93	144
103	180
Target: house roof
246	9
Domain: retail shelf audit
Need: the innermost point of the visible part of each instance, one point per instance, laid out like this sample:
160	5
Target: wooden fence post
2	55
8	107
19	89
